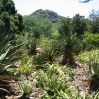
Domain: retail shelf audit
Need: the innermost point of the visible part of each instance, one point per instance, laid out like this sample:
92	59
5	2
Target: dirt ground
79	77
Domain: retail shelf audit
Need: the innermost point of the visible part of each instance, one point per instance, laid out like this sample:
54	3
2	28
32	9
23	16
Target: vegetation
39	26
69	41
79	25
27	89
92	61
10	20
92	39
94	17
8	56
34	59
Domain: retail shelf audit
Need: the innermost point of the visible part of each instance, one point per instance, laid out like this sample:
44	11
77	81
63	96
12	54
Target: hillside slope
48	14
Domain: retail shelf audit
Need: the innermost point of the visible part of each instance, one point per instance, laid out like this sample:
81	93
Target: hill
48	14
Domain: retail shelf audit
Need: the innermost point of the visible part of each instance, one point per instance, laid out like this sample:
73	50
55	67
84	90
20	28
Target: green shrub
54	83
91	39
25	67
84	56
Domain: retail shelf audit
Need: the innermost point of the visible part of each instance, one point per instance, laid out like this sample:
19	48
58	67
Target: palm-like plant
32	44
8	56
69	41
93	81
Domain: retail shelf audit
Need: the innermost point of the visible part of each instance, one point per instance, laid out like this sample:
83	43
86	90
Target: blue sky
61	7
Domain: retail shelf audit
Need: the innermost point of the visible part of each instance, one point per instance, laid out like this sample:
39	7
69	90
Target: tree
88	25
31	22
69	41
65	27
10	20
94	18
79	25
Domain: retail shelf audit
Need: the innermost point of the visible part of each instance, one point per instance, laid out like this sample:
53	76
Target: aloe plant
93	81
94	65
32	44
8	56
27	89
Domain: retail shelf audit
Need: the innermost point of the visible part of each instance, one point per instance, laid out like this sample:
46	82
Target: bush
92	39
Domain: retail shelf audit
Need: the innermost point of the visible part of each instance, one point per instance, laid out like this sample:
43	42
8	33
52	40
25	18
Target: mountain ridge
48	14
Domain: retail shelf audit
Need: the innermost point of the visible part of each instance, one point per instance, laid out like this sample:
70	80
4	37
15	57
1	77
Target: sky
61	7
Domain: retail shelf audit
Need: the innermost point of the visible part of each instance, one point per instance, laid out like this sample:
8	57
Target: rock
48	14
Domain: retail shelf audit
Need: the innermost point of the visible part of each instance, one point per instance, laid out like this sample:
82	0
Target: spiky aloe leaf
13	51
8	55
93	65
5	42
96	96
5	81
2	89
3	56
94	69
11	66
4	77
4	85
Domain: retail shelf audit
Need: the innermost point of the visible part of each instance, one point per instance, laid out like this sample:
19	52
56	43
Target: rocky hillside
50	15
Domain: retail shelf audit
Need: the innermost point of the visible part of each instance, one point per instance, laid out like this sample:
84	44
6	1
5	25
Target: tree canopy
75	25
10	20
32	23
94	18
65	27
79	24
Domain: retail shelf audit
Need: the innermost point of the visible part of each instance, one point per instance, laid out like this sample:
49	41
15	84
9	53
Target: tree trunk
68	58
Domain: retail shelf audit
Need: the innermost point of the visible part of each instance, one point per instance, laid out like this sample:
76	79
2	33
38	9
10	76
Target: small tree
69	41
79	24
94	18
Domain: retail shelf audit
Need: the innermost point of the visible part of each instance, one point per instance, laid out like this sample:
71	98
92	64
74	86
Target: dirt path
79	77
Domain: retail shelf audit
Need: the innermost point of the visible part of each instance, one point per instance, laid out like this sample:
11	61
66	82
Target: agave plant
93	81
31	46
8	56
27	89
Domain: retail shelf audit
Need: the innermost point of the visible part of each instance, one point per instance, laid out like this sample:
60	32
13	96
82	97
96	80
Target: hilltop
48	14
